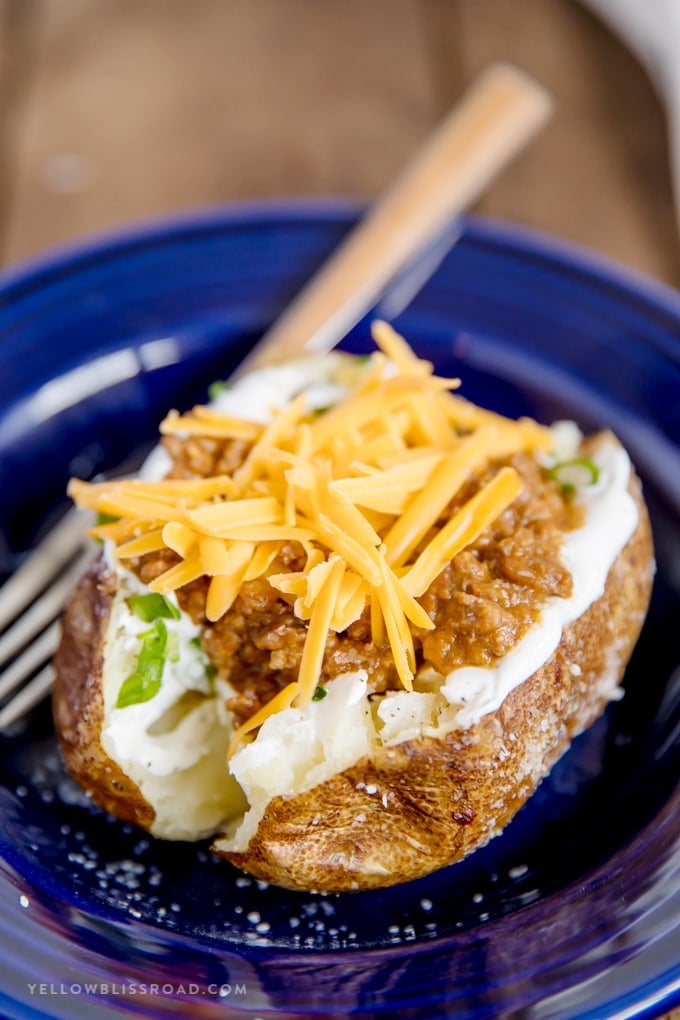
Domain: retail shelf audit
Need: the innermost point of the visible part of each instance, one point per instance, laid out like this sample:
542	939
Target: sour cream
611	517
129	731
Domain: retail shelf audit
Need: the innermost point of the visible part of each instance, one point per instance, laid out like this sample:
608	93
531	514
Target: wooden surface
113	111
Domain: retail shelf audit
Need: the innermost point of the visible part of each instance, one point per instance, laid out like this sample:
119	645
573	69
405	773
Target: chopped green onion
572	474
145	682
106	519
217	388
153	607
173	646
320	693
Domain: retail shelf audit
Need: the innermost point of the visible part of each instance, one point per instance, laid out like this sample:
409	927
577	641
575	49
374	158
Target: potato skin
78	702
437	800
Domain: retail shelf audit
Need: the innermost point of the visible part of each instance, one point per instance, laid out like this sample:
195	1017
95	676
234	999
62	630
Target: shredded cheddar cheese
364	488
279	702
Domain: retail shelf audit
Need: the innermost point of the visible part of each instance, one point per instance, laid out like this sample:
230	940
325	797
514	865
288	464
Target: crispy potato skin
78	703
435	801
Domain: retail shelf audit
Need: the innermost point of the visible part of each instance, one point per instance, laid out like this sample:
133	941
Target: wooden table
112	111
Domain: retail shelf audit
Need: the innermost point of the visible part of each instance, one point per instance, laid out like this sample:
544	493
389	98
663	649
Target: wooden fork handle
496	118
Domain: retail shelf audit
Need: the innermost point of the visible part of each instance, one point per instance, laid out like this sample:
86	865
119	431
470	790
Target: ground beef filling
482	603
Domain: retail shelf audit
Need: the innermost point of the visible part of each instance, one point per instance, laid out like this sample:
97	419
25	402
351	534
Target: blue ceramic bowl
575	910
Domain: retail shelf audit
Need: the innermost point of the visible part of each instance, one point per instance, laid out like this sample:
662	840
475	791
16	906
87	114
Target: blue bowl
575	910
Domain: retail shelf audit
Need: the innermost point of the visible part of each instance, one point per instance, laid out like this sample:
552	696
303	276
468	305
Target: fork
497	116
30	604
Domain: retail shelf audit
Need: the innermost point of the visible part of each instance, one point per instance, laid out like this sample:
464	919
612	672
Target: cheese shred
364	488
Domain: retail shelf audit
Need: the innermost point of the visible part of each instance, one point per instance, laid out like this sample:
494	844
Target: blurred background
116	111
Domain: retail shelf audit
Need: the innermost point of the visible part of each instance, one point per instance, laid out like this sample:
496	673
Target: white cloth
651	30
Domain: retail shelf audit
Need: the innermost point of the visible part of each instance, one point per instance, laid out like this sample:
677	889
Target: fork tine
27	697
43	563
30	623
35	655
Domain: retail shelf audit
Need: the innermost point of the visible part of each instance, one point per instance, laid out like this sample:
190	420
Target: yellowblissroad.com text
131	988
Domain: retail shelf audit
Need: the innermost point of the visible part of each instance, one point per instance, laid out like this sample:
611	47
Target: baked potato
355	684
159	764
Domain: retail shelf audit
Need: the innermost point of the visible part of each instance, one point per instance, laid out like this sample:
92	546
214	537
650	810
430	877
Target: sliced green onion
320	693
173	646
153	607
139	687
106	519
216	388
145	682
573	474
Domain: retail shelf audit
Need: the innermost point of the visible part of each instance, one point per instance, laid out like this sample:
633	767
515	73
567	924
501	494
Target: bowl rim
534	242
